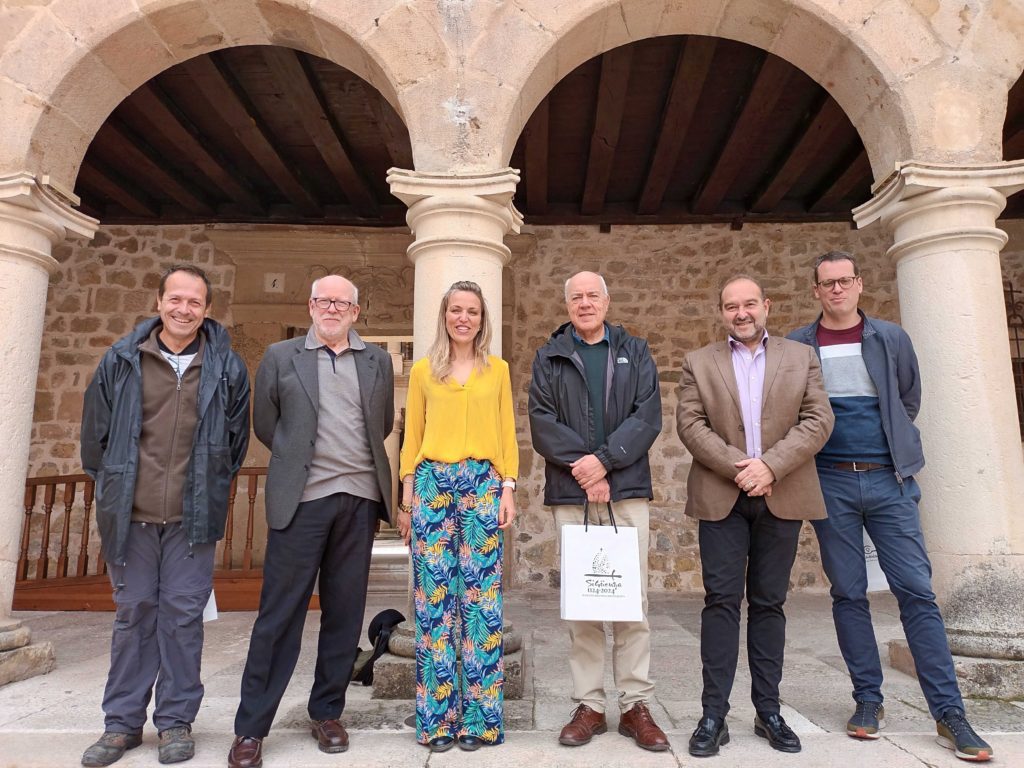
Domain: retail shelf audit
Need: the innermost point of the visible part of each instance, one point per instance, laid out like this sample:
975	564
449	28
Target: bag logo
603	580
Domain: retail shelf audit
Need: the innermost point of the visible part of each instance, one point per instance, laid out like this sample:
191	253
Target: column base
394	673
978	678
20	658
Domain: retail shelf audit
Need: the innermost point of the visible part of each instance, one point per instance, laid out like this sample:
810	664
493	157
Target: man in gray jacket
595	411
165	426
324	404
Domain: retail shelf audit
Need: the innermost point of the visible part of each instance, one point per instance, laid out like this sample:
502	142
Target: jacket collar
810	332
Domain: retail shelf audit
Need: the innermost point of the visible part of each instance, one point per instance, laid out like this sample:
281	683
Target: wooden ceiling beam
810	147
98	177
225	95
611	103
676	213
692	68
300	87
761	98
841	187
390	128
151	164
536	149
165	116
1013	145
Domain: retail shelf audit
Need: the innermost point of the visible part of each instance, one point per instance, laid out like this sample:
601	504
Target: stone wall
662	282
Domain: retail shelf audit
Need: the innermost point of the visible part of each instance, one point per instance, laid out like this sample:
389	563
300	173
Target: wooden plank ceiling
667	130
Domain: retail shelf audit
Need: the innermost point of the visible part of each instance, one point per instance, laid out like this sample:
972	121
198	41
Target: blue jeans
875	500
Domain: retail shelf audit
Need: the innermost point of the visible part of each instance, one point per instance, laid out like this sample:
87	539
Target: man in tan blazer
753	412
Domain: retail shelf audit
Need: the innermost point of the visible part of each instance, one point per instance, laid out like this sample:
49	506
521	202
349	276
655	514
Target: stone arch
71	66
870	61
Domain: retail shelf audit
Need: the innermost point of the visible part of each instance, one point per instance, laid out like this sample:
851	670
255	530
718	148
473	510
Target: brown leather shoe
584	725
330	735
246	752
638	724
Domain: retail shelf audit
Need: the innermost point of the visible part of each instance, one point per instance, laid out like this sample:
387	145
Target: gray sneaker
867	720
176	745
110	748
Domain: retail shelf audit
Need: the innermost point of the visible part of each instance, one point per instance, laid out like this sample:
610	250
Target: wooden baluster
247	554
70	491
229	528
26	533
82	567
43	561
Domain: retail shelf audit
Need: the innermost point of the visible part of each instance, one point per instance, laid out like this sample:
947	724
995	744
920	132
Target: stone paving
48	721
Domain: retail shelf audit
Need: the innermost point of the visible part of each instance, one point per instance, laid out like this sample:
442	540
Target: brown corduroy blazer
796	421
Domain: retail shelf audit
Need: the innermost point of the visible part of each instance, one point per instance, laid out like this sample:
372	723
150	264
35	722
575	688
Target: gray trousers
160	593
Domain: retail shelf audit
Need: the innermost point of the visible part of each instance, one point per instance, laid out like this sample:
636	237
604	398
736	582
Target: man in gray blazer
323	404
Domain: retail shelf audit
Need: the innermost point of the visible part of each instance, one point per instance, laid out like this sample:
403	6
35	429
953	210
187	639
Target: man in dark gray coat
165	426
324	404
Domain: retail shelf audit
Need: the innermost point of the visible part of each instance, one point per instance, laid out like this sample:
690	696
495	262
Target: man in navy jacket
867	472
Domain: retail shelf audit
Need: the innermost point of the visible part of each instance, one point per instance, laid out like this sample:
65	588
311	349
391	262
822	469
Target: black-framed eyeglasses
844	283
339	304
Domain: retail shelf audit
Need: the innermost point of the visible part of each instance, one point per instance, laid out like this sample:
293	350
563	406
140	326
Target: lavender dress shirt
749	369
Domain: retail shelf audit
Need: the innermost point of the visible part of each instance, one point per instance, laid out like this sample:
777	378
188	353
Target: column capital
34	217
488	193
933	208
912	179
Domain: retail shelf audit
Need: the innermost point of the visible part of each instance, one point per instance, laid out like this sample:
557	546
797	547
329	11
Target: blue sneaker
867	720
956	733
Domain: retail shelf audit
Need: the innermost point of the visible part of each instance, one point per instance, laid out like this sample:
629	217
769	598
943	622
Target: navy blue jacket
892	365
561	423
112	423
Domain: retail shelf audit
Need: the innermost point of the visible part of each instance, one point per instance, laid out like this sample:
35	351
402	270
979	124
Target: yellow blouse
450	422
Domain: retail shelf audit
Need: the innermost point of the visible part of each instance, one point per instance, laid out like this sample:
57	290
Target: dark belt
857	466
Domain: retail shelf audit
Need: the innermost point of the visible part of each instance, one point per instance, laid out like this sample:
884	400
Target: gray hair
600	277
355	288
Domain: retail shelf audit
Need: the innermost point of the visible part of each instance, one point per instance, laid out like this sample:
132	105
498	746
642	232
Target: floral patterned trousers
457	549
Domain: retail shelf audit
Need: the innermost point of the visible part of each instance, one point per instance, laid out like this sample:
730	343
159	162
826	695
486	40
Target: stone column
459	223
32	219
946	248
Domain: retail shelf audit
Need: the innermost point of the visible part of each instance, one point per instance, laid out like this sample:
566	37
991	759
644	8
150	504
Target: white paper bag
876	577
601	573
210	611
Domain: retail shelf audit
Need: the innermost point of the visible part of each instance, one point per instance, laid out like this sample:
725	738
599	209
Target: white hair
604	285
355	288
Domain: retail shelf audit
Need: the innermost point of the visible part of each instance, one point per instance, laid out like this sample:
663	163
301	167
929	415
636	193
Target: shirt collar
576	336
354	340
737	345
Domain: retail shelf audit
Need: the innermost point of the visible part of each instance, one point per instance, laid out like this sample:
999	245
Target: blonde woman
459	465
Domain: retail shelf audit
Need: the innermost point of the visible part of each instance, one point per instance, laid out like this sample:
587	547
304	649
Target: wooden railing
37	561
71	574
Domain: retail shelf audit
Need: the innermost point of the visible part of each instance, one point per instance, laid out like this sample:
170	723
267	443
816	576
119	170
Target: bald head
332	284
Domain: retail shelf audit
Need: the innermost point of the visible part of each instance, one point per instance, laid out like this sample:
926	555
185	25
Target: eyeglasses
340	304
844	283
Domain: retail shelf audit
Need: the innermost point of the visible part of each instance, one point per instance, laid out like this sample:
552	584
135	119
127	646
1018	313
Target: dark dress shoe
584	725
710	734
330	736
780	736
441	743
638	724
246	752
110	748
471	743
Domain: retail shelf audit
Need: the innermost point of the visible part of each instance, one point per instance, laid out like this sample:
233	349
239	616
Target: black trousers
751	548
332	536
